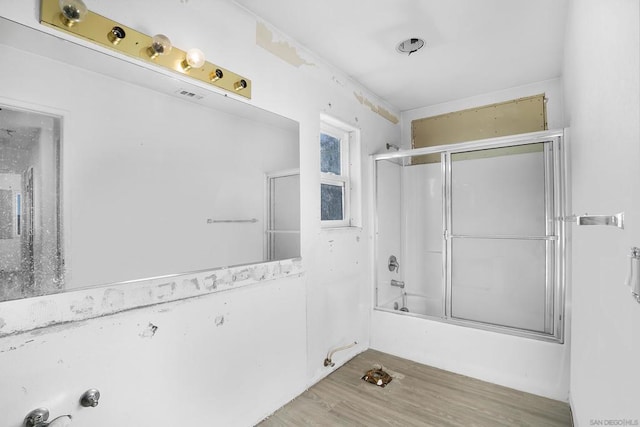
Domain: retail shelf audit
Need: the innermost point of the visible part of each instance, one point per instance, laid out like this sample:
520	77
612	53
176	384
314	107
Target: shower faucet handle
393	265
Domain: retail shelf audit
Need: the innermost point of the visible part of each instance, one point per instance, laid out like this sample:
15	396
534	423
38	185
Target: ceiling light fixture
410	46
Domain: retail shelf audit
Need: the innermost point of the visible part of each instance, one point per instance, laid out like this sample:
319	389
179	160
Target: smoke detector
410	46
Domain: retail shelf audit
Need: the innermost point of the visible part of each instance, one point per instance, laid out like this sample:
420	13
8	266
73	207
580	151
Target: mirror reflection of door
283	215
30	235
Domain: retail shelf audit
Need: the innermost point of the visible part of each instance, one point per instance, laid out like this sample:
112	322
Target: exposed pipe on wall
327	360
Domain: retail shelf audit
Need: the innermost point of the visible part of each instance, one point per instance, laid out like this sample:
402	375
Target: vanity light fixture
240	84
216	75
116	35
193	59
160	45
64	15
72	12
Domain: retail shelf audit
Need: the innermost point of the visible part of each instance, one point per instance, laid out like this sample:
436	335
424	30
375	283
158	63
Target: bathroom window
339	174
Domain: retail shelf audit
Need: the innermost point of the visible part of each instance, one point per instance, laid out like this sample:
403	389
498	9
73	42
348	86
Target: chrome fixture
410	46
397	283
404	308
224	221
633	279
616	220
40	418
90	398
394	265
404	303
36	417
394	146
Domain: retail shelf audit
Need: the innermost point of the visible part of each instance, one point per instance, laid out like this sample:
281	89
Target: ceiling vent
189	94
410	46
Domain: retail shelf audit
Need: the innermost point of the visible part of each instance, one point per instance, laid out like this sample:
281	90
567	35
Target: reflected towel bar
221	221
226	221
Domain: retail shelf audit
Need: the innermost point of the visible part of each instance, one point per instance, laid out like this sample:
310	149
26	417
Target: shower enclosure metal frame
555	236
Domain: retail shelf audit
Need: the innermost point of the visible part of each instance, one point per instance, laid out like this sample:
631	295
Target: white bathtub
415	304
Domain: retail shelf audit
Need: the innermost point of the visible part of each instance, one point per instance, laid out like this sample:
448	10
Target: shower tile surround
102	301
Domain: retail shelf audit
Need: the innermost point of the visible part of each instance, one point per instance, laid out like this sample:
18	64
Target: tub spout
398	283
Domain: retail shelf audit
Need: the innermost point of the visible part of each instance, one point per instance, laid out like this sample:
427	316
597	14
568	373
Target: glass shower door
501	237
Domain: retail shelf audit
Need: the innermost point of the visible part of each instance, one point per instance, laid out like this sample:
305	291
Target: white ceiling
472	46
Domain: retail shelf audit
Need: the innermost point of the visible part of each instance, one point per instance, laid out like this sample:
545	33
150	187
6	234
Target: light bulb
160	45
72	11
194	59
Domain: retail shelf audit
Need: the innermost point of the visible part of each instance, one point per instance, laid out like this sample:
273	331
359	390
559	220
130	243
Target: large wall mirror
112	172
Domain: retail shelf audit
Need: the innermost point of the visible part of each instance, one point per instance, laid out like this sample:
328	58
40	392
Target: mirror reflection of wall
30	244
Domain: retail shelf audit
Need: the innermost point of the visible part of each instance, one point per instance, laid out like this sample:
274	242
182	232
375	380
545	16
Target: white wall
221	359
282	328
601	77
524	364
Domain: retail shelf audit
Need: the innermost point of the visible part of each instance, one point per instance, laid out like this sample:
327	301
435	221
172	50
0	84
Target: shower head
394	146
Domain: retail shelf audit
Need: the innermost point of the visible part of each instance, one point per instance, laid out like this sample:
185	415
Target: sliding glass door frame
554	238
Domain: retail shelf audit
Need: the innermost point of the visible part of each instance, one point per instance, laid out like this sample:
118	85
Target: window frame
349	139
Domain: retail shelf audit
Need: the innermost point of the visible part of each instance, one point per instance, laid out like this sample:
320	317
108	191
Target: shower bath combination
477	226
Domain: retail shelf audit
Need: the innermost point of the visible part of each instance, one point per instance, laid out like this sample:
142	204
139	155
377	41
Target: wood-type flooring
418	395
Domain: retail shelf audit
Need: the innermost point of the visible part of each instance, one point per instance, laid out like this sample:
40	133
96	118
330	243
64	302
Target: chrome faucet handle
37	418
393	264
90	398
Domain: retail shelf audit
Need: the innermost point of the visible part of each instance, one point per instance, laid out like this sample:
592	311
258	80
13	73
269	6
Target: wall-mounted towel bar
616	220
227	221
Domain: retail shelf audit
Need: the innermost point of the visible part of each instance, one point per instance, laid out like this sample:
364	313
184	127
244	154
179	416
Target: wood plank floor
418	395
